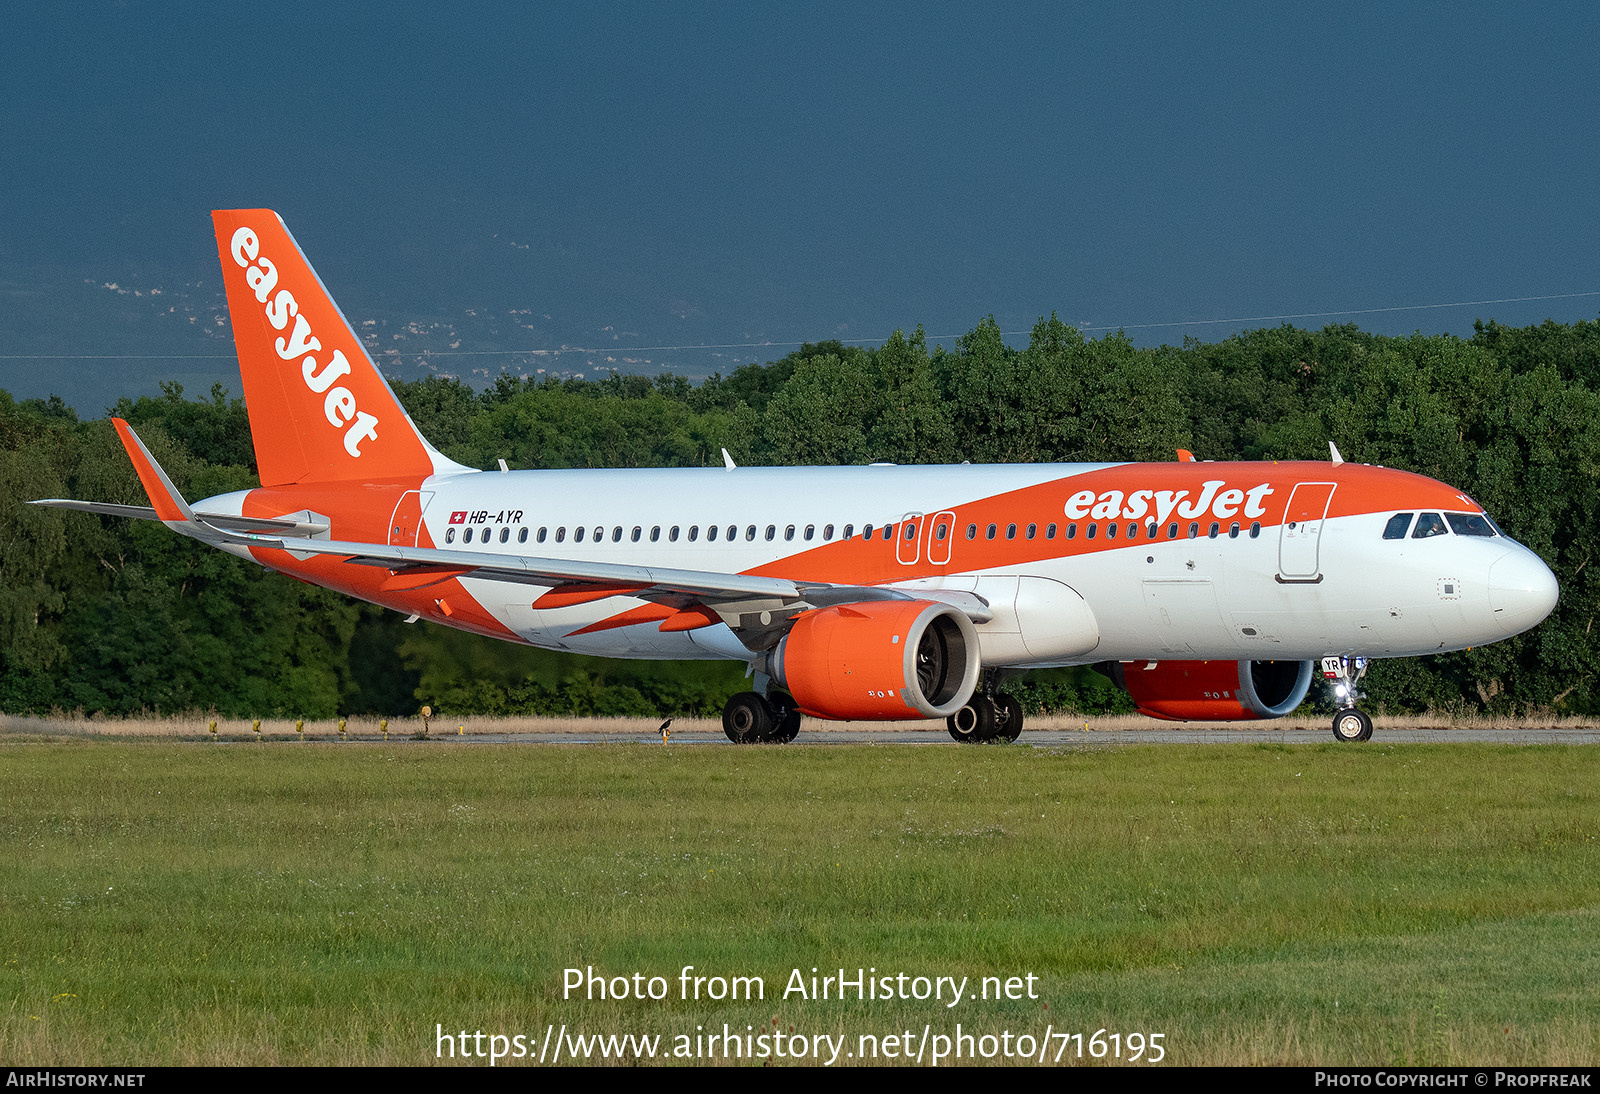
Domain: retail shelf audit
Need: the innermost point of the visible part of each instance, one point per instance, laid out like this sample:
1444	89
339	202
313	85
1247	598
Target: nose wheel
1351	725
1343	674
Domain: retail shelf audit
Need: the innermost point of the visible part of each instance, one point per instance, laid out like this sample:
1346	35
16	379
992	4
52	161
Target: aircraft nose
1522	591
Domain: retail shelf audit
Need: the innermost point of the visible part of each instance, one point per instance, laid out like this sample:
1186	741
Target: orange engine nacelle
1213	691
879	660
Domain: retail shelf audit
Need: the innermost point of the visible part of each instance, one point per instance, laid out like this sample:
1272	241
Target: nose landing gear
1349	723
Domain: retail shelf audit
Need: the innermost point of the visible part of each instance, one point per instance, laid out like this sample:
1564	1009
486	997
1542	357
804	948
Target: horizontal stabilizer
168	506
273	525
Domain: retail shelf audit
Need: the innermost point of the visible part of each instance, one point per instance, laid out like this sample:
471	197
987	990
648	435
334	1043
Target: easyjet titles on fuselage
1138	504
339	403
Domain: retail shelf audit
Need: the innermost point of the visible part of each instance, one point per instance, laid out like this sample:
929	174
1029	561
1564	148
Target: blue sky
625	176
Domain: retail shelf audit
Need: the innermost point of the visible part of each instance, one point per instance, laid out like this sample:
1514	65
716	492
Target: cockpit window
1396	528
1470	524
1429	524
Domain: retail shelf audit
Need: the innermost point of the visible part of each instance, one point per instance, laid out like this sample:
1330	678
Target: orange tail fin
319	408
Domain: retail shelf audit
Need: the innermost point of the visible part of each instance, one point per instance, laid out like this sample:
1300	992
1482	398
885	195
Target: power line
392	352
1348	311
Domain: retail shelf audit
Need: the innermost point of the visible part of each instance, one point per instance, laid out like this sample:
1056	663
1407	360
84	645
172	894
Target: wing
758	609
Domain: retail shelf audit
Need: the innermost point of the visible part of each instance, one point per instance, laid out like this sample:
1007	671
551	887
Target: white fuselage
1264	586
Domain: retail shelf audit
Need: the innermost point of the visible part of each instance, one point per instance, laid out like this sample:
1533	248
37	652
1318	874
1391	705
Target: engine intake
879	660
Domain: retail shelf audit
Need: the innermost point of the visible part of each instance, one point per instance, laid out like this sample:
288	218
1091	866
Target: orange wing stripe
645	613
568	596
691	619
421	577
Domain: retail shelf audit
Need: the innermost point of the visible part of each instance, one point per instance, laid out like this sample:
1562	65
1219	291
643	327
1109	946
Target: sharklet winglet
164	496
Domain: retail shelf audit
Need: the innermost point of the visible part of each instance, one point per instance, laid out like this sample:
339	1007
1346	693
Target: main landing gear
1349	723
751	719
988	716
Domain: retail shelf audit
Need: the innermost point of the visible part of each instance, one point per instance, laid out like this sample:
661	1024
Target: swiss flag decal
458	518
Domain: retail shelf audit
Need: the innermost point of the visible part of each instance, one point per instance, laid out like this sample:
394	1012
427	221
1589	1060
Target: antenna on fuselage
727	460
1334	450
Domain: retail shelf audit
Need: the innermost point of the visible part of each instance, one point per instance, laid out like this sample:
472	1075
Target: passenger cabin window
505	534
1050	531
788	533
694	532
672	534
1011	531
1172	531
449	535
1429	525
972	531
655	534
577	534
1090	533
866	532
616	534
466	537
990	531
1233	530
827	533
1397	526
888	532
633	537
1033	530
772	531
1469	524
522	535
542	533
750	532
1072	531
1255	529
561	534
849	530
1133	529
711	534
733	532
1212	532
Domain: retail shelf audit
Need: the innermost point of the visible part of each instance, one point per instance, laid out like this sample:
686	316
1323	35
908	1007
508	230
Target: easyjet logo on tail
1112	503
339	403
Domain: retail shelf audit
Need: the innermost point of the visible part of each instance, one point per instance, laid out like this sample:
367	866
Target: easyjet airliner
1209	591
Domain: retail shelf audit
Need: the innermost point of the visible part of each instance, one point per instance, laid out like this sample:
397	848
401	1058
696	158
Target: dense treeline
106	615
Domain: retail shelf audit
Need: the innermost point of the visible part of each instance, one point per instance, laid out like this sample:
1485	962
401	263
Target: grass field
283	903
